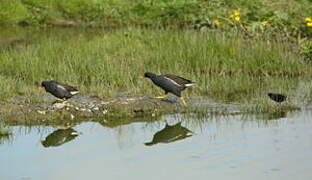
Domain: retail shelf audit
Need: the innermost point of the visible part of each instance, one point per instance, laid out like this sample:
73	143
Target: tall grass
106	63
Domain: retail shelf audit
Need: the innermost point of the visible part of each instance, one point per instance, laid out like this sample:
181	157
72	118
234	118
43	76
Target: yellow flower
216	22
237	18
308	19
309	24
236	13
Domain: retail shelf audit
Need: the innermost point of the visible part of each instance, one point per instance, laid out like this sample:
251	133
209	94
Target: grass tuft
225	66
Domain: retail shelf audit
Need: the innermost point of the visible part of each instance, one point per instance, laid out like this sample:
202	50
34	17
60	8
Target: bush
252	17
12	11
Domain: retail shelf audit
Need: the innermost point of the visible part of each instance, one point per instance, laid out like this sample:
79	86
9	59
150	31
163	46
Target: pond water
262	146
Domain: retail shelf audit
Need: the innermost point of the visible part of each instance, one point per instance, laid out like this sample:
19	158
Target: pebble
59	105
74	133
41	112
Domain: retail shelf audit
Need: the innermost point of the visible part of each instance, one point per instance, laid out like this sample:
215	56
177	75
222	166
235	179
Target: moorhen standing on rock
277	97
59	90
170	83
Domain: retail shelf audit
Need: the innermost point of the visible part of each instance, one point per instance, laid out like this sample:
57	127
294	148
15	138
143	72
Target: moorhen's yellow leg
161	97
59	101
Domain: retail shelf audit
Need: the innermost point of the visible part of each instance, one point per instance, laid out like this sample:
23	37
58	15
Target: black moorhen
59	90
277	97
170	83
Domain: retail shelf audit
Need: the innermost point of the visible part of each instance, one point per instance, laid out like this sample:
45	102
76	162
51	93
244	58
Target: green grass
281	16
226	66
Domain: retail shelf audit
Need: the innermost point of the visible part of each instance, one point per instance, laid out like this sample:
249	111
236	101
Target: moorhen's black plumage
170	83
59	90
170	134
277	97
59	137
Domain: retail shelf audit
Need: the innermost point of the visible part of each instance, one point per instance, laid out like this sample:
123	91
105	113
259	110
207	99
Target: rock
95	109
73	112
104	111
61	23
59	105
41	112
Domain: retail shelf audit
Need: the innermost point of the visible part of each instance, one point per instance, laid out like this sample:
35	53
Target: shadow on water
170	133
59	137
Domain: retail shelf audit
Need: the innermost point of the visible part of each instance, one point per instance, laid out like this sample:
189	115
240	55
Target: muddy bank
123	110
110	112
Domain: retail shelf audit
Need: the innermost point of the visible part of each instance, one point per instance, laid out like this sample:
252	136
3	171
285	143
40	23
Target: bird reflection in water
59	137
170	133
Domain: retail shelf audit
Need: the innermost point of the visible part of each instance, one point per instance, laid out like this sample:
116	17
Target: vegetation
226	66
306	49
4	132
292	18
235	50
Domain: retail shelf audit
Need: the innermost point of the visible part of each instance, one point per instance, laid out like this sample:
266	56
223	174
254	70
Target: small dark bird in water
59	90
277	97
170	134
59	137
170	83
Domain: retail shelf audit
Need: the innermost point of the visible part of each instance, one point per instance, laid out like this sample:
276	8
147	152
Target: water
220	147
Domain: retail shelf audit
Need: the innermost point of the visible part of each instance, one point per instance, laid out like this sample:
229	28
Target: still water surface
220	147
